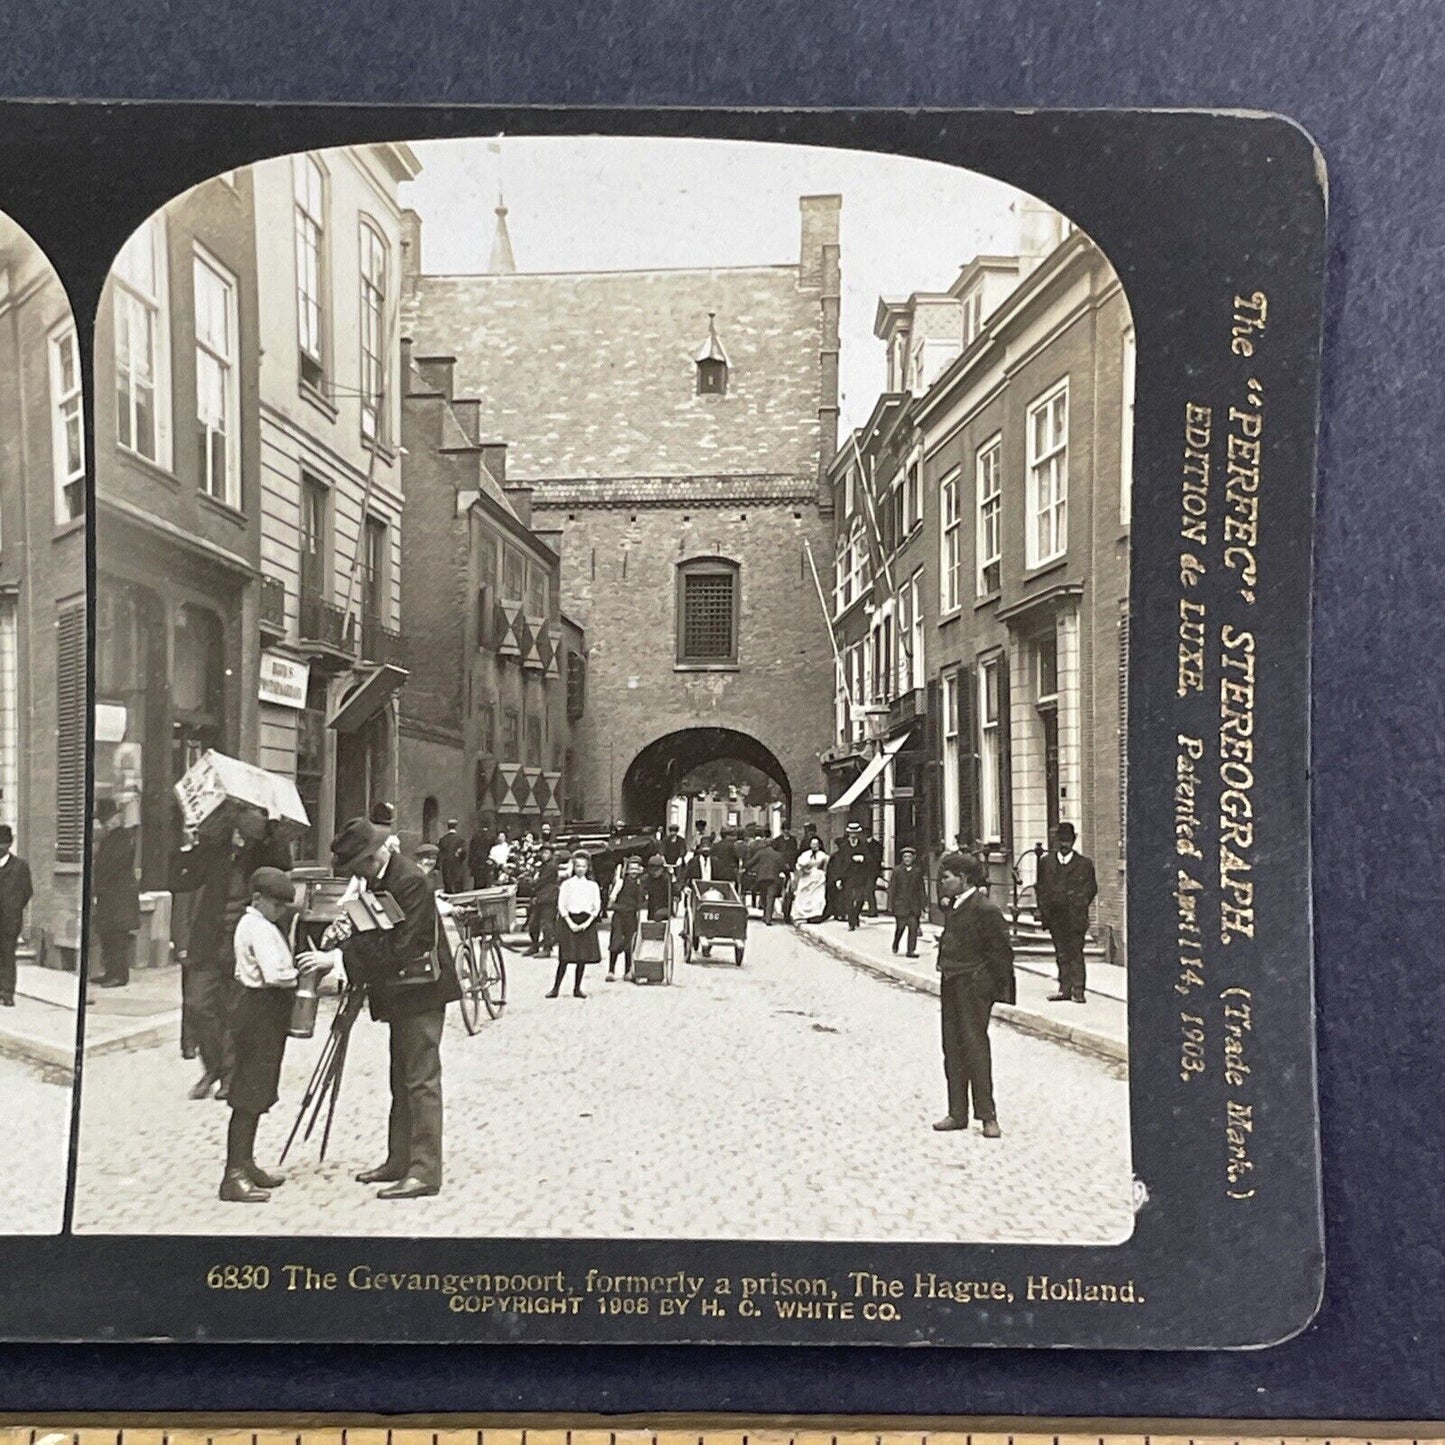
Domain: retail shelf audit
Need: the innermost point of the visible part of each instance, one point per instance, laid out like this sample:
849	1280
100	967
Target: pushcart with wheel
714	913
475	923
652	951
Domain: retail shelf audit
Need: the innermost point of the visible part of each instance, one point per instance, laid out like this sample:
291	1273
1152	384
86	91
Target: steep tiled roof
594	374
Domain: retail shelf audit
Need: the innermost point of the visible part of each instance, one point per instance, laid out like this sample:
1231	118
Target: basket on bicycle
487	910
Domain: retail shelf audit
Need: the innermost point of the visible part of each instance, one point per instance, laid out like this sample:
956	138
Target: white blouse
579	895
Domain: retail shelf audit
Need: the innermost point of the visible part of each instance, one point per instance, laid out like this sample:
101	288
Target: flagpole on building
871	517
840	676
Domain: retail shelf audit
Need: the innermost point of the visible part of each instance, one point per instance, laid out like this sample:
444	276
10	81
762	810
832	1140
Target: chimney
436	372
1041	228
494	459
469	417
405	344
820	230
519	494
410	244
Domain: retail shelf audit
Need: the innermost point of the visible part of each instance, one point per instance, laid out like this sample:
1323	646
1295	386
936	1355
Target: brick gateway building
674	429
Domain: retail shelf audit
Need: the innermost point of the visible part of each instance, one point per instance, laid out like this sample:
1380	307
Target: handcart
652	951
714	913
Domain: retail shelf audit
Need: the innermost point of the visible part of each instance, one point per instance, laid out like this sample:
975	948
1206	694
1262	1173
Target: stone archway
655	774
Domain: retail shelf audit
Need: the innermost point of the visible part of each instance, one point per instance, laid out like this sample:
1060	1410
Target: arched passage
655	774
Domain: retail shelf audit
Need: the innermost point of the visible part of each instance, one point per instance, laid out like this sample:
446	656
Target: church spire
502	262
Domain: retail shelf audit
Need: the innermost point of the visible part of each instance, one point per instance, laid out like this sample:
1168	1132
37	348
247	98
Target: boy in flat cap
907	899
266	980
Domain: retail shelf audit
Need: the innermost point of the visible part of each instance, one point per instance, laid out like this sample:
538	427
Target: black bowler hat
1065	833
356	838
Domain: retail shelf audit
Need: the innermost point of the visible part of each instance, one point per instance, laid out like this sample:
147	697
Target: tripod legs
325	1084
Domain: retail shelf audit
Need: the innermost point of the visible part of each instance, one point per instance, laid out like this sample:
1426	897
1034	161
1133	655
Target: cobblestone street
36	1150
790	1098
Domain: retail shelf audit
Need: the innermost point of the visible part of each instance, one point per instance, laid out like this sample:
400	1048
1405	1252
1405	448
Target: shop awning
367	698
860	785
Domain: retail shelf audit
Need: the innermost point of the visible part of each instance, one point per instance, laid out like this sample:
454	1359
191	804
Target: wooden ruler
697	1430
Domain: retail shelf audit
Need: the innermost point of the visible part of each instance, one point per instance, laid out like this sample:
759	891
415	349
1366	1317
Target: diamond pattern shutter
70	736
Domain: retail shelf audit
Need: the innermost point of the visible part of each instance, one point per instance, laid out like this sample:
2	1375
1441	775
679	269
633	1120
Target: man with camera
409	986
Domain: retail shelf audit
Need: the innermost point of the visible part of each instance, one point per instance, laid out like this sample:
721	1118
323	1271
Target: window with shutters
514	571
511	736
487	729
67	426
534	742
576	686
70	735
707	613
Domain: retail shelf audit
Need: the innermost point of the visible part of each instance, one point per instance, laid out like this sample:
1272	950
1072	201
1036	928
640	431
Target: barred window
707	613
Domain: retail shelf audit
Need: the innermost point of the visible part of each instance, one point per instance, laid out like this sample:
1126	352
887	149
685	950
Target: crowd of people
243	963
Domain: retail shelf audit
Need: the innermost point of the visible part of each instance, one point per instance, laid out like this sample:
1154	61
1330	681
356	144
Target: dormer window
712	362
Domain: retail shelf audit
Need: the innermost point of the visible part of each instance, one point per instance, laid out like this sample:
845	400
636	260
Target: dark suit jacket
371	958
673	848
16	891
116	893
452	861
767	864
1065	891
975	943
908	891
725	860
693	872
206	869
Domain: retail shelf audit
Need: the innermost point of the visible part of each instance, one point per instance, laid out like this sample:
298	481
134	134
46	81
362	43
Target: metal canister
303	1007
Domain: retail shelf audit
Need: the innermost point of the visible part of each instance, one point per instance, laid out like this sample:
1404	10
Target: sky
602	203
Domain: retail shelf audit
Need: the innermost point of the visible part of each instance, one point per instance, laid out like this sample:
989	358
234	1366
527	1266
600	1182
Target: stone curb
1088	1041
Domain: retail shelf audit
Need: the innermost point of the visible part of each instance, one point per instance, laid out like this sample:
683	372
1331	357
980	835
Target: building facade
673	428
43	516
178	497
497	680
1000	478
328	242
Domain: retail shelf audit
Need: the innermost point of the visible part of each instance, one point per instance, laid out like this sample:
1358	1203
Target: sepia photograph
43	743
611	674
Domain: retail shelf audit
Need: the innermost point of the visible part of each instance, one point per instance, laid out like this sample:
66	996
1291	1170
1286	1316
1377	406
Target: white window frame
311	270
134	302
952	801
374	273
1127	364
848	569
990	752
1046	536
988	514
67	417
950	542
227	358
915	637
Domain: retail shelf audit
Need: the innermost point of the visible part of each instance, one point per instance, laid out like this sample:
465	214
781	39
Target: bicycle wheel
493	979
469	975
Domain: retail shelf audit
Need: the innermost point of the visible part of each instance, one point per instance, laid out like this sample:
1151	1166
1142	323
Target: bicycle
481	964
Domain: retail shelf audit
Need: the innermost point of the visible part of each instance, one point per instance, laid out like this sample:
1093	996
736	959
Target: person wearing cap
769	873
542	906
427	856
626	900
658	888
414	1014
674	849
975	963
115	894
1065	888
452	858
699	868
726	860
907	899
384	816
266	981
859	874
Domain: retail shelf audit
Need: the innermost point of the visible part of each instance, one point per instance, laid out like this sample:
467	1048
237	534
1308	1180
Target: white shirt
1065	857
579	895
263	957
704	867
963	897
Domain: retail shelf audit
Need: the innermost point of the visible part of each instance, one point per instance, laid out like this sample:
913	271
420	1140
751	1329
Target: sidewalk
1099	1027
41	1028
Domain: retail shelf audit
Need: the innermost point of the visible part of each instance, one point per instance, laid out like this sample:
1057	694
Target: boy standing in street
975	959
266	978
